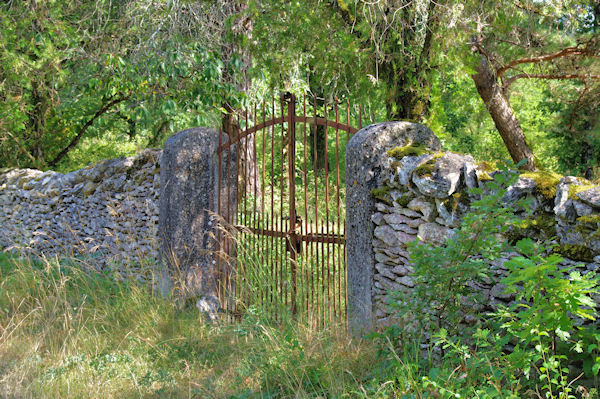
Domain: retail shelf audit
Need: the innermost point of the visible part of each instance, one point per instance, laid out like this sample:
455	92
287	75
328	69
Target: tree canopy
83	80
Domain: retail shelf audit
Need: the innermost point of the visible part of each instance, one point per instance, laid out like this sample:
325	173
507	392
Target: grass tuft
69	333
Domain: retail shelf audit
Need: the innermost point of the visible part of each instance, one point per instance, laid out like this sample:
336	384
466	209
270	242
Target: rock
377	218
397	251
366	162
407	212
89	188
391	237
522	187
403	227
209	307
401	270
187	177
383	258
590	197
451	219
396	218
434	233
469	172
405	168
381	207
445	177
406	281
420	204
582	209
563	205
385	271
497	291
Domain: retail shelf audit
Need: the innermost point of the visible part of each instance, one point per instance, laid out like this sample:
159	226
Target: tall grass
70	333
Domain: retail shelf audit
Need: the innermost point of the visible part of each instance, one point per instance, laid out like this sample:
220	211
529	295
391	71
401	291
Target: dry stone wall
423	195
107	211
400	188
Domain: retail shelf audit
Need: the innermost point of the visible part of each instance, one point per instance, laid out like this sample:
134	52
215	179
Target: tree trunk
241	27
504	118
317	134
404	101
37	120
408	75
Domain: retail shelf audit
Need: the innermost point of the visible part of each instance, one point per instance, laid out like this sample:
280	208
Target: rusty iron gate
281	206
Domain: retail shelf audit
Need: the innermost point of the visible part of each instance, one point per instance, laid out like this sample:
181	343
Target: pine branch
568	51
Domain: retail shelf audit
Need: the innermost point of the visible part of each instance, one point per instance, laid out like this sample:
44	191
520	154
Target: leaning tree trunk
504	118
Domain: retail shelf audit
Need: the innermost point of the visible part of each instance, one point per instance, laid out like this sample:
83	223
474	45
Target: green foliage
442	273
90	72
544	341
537	343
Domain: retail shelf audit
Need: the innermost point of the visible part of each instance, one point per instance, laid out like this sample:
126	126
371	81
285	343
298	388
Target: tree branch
21	146
549	76
568	51
89	123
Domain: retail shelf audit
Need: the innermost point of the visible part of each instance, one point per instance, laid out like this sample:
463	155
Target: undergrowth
73	334
70	333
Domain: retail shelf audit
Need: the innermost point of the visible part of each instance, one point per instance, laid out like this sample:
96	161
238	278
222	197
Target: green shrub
544	345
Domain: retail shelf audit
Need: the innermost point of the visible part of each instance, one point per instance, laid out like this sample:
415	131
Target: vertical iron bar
360	116
347	120
336	253
273	282
306	258
236	217
292	200
326	264
316	244
255	236
227	221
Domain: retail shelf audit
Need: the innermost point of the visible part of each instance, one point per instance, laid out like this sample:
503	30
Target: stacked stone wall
422	195
107	211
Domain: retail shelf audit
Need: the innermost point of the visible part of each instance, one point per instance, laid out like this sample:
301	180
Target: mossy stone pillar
366	159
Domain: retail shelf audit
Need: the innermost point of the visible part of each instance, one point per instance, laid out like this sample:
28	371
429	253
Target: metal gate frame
298	235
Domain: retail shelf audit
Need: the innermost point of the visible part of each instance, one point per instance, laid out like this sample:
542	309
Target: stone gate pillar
188	180
365	162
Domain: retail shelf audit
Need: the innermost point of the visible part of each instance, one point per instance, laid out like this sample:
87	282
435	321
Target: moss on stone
487	166
484	169
575	189
544	223
588	225
404	200
542	226
427	168
408	150
484	176
589	219
575	252
545	182
382	194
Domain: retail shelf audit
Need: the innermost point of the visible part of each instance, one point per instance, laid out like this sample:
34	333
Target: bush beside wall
423	195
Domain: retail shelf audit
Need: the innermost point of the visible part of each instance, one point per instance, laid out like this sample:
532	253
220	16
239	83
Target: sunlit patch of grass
69	333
